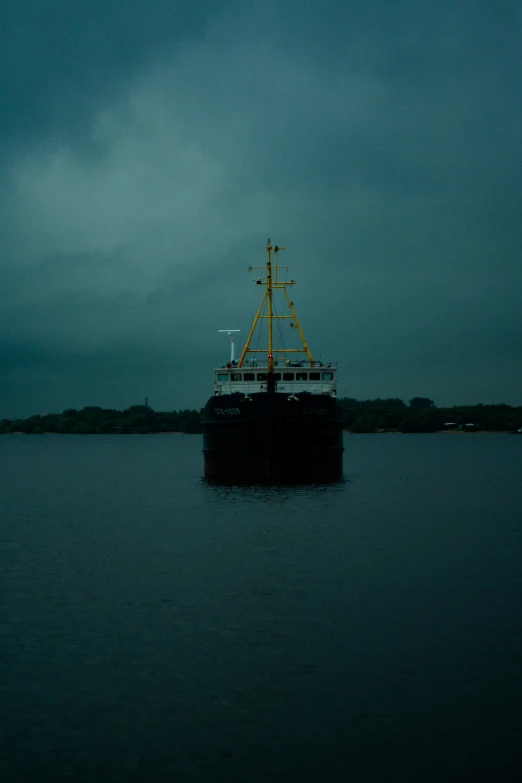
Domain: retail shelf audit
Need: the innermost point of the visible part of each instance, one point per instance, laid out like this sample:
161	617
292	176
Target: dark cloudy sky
149	147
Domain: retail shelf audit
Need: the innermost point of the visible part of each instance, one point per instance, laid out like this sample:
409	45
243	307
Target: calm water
156	628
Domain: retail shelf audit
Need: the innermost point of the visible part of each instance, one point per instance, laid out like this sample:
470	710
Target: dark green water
156	628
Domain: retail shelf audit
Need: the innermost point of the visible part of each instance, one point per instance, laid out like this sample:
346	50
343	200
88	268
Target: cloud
149	149
66	60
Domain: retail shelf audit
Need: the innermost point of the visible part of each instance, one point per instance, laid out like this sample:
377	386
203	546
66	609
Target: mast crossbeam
271	281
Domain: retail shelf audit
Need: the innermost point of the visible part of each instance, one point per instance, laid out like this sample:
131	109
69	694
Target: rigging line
259	329
280	330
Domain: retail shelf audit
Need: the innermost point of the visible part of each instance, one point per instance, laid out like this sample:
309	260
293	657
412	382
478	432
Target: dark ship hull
272	436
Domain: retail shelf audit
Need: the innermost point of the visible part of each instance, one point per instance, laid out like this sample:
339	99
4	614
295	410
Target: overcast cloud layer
148	149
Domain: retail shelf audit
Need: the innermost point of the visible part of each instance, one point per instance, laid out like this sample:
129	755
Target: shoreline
435	432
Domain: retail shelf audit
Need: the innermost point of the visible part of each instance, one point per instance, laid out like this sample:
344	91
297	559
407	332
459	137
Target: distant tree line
94	420
422	415
359	416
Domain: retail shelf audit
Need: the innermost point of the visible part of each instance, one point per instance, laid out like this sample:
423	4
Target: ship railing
280	366
290	387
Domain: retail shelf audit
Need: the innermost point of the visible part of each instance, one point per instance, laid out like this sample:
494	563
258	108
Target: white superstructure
290	378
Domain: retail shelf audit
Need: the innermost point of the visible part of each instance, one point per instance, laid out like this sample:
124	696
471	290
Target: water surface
154	627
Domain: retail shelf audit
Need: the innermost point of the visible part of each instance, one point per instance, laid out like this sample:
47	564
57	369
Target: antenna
272	283
232	342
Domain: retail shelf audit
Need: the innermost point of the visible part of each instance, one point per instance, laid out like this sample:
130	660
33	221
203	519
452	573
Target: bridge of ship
316	378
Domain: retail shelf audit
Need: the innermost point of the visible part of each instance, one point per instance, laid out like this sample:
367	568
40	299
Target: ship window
301	376
236	376
315	376
277	376
249	376
222	376
288	376
327	376
261	376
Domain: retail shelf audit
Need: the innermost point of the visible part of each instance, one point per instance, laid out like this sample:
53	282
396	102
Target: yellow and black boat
273	415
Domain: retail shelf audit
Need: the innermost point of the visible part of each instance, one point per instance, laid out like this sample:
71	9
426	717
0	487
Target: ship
274	414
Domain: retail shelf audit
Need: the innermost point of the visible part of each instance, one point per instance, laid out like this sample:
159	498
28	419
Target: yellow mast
272	282
270	314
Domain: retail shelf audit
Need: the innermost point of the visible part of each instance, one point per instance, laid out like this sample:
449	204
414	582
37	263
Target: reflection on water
268	489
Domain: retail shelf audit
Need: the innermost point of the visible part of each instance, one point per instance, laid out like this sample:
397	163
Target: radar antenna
232	342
